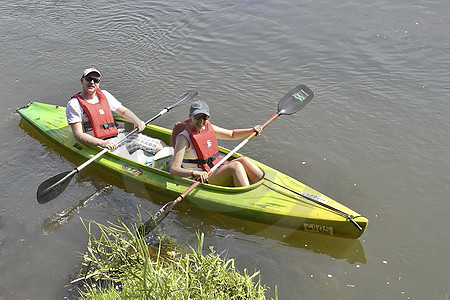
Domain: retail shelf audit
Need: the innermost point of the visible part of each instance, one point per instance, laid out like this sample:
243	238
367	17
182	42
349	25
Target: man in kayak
196	150
89	114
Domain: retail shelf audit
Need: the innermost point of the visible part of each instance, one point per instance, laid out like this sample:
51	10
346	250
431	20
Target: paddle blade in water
295	100
52	187
151	224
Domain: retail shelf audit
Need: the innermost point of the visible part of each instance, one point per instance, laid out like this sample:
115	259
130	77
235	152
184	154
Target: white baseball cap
90	70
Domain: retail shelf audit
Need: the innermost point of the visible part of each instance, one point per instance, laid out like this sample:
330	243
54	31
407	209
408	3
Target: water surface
375	138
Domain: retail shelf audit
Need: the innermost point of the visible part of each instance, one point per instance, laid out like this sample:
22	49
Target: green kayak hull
276	200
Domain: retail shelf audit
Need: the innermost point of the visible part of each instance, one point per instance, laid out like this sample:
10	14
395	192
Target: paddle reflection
63	217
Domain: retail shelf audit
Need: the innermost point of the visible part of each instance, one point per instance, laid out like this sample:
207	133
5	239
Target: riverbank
121	263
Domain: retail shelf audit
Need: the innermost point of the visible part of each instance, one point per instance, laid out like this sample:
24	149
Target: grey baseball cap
199	107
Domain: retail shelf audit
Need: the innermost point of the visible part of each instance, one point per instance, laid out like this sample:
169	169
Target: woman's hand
258	129
203	175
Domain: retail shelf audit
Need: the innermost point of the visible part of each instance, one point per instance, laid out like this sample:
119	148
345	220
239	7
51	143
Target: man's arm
80	136
129	115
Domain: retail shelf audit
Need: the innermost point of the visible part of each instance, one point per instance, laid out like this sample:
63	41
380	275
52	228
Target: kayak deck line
320	201
275	202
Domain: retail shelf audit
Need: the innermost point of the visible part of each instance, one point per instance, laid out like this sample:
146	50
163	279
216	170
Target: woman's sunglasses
201	116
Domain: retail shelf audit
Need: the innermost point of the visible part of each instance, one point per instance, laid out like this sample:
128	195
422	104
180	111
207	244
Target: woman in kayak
196	150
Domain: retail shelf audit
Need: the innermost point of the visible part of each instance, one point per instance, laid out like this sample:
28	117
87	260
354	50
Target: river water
376	136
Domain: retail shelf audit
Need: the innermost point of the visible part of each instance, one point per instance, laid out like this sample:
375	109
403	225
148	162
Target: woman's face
199	121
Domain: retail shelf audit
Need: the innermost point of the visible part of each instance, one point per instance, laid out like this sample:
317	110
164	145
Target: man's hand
108	144
140	126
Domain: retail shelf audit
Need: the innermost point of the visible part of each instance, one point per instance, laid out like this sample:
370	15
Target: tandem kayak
278	199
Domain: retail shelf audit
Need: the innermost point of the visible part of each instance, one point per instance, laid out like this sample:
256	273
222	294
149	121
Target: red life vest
204	142
100	116
178	128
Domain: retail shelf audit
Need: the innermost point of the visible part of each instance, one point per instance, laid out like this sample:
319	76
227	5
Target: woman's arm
181	144
236	134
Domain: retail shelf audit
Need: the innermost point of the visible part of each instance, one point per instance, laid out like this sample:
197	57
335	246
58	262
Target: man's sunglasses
201	116
89	79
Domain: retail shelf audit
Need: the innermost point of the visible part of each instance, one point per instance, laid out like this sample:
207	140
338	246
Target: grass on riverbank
120	265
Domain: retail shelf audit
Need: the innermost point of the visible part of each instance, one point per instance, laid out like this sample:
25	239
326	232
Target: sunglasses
201	116
89	79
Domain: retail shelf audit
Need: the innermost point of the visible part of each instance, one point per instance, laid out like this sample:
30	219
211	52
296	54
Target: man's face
90	82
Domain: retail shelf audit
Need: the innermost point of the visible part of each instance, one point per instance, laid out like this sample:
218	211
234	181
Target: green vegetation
120	265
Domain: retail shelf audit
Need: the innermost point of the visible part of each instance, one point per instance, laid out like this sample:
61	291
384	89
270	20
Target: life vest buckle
108	125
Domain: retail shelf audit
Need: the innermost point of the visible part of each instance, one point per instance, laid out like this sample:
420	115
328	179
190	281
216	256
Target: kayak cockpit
162	160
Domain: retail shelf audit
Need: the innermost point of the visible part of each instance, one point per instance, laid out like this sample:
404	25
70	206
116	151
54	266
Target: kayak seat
139	156
163	159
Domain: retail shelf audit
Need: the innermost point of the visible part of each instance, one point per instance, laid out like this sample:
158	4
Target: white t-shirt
75	113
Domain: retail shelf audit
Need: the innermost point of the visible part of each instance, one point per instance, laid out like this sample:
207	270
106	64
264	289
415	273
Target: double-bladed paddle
52	187
292	102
